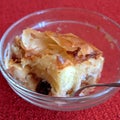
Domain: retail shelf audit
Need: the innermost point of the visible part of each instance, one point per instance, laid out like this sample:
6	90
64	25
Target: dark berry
43	87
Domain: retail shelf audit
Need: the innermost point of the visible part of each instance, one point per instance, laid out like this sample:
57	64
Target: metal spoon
96	85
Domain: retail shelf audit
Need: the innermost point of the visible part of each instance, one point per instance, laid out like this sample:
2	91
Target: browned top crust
67	48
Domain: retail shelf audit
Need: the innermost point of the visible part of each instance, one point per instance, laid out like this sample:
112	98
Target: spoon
96	85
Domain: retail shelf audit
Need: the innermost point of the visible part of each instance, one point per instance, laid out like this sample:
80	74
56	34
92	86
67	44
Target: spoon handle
96	85
106	84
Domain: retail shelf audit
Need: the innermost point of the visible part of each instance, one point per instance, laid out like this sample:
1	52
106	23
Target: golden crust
67	46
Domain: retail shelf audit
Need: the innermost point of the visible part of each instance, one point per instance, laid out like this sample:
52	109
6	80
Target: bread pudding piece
64	61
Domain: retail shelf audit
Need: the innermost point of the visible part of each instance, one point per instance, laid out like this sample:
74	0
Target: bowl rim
13	81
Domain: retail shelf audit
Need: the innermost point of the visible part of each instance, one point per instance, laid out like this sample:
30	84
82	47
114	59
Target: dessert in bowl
52	63
70	67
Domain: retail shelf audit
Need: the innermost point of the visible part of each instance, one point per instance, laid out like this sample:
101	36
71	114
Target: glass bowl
93	27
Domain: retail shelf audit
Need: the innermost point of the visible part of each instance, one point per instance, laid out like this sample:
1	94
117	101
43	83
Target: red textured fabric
12	107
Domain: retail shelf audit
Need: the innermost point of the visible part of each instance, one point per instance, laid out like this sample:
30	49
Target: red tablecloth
12	107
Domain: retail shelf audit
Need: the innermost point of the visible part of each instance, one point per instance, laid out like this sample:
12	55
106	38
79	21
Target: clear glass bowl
95	28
